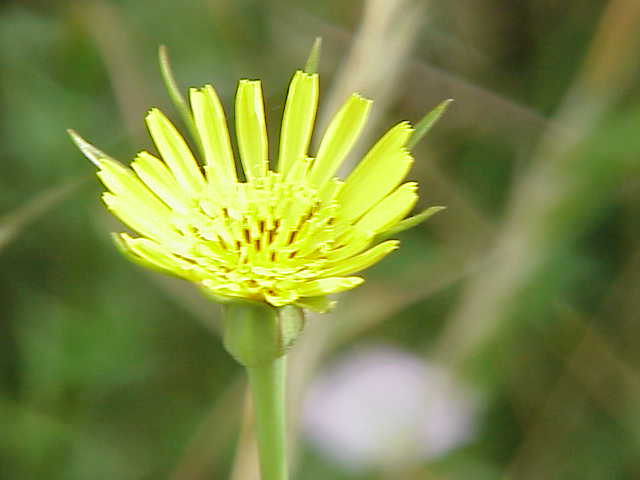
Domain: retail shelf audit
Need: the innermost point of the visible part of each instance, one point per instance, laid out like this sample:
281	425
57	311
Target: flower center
261	236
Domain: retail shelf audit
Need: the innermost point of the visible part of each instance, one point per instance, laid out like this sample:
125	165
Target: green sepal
256	334
174	93
316	304
314	57
408	223
428	121
291	320
91	152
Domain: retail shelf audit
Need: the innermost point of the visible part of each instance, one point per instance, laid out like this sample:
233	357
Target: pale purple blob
382	407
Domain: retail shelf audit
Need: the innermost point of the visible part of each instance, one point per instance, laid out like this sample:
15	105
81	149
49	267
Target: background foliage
527	286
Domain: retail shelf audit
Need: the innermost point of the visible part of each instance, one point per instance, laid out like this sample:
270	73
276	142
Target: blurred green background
527	287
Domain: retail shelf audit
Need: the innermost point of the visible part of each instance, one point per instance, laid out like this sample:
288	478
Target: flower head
287	235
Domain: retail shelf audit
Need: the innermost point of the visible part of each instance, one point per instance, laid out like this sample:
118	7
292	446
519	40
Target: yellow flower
287	235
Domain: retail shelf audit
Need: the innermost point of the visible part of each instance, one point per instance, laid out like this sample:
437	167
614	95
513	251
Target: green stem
267	383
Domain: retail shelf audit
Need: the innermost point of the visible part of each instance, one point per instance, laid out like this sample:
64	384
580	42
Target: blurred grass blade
408	223
311	66
12	224
427	122
174	93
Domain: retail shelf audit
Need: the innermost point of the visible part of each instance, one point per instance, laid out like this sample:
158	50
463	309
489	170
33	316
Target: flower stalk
267	384
258	336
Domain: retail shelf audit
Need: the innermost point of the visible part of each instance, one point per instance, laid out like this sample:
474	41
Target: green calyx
256	334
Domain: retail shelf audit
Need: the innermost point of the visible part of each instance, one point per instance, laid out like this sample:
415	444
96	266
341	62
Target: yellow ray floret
291	235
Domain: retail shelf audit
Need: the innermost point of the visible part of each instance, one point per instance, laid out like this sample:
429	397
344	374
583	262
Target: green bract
290	235
256	333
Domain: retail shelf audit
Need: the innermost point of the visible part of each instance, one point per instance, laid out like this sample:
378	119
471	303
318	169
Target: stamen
264	233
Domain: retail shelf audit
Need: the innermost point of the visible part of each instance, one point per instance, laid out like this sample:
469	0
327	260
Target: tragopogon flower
287	235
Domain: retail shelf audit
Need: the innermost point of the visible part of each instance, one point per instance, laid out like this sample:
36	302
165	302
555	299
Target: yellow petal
325	286
330	190
214	134
124	184
381	170
144	221
355	242
298	170
155	174
342	133
124	249
390	210
148	253
175	152
297	121
362	261
251	129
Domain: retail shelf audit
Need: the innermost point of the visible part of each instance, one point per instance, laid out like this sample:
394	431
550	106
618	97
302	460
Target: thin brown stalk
106	26
521	242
